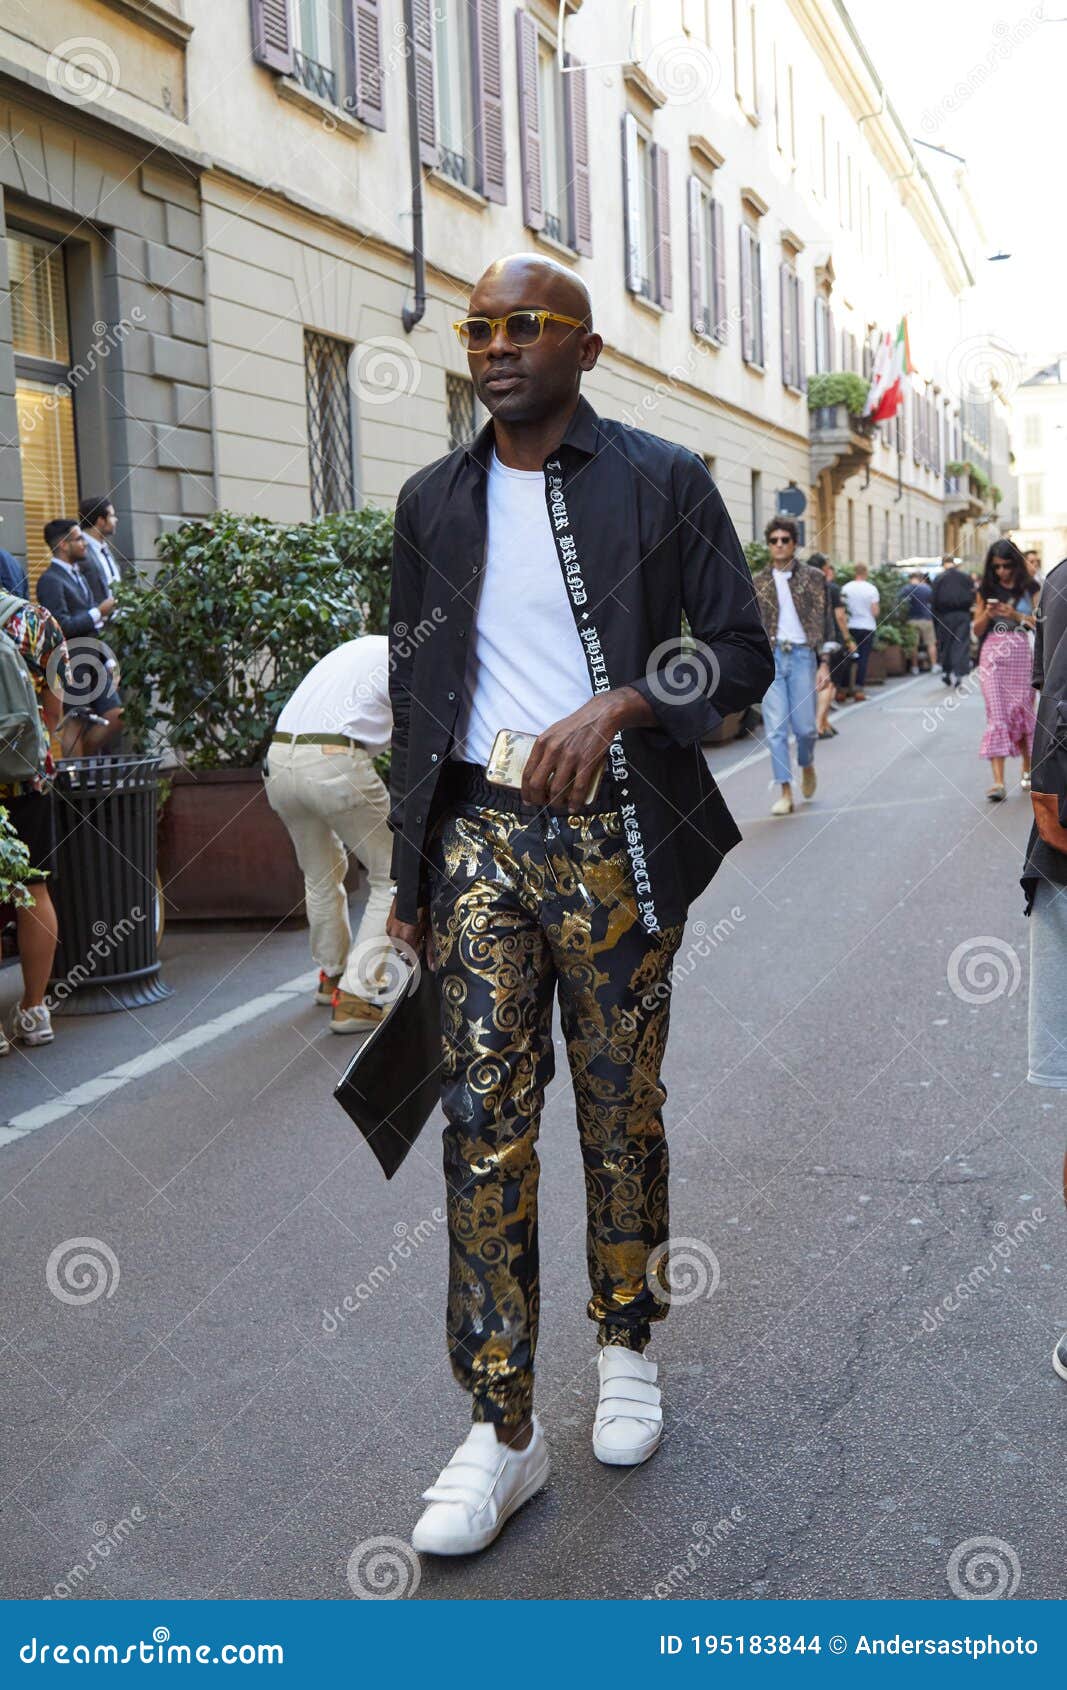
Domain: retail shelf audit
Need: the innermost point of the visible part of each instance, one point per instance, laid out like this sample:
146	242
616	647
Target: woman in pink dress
1003	619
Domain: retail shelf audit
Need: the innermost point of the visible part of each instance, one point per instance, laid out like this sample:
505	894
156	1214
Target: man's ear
590	352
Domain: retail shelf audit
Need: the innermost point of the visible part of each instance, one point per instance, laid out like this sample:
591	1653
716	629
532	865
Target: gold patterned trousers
525	905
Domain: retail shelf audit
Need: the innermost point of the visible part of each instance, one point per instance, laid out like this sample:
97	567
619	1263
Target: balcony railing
317	79
454	165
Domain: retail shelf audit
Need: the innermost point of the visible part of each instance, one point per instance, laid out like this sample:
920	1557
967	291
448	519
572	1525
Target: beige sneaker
354	1015
808	781
327	986
783	806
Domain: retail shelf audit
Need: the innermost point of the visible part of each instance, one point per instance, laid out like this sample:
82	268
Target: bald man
553	558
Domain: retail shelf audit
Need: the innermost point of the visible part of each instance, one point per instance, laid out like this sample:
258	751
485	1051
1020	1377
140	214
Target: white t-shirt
526	667
860	598
790	627
347	692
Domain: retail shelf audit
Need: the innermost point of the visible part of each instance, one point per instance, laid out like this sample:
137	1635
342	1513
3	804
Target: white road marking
172	1050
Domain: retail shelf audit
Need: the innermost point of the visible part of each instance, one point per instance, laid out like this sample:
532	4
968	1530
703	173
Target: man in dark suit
65	590
100	565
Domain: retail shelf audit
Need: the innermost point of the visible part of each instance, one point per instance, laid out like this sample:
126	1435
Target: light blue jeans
790	706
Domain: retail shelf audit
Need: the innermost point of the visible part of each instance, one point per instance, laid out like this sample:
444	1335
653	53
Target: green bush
838	387
15	870
213	645
758	554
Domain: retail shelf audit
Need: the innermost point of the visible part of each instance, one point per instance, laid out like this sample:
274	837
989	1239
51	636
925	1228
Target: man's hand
106	606
566	756
411	937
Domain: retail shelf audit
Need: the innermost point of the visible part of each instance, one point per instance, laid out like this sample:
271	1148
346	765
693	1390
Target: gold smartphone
508	759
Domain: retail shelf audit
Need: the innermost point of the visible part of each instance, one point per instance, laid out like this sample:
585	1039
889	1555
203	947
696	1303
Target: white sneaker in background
32	1026
5	1048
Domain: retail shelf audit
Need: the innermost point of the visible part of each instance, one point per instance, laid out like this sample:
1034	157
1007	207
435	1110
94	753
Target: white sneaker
629	1419
5	1048
782	806
32	1026
479	1490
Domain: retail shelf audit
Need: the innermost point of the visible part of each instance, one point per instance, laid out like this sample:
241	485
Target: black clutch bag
392	1085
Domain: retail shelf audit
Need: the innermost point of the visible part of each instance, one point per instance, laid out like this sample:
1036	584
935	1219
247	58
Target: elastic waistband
466	783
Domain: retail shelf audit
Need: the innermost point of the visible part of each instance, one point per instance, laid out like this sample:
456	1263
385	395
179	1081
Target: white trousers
332	801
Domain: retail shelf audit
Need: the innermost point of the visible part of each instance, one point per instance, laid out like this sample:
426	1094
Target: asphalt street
869	1251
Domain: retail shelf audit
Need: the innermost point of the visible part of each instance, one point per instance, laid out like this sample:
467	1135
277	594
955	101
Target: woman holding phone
1003	621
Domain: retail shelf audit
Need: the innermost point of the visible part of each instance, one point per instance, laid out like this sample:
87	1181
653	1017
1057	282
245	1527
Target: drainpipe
413	314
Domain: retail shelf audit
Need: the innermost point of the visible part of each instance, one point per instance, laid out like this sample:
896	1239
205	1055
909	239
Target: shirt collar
583	433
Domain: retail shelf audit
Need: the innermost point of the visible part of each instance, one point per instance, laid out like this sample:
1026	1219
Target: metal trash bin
105	886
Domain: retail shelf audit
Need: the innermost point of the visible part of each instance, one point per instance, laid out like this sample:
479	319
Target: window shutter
579	190
631	200
831	339
533	206
764	303
696	256
718	294
422	50
661	177
364	40
801	354
747	323
785	306
489	101
272	41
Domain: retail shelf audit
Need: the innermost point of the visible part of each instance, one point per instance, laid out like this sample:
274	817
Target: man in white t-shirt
322	782
862	605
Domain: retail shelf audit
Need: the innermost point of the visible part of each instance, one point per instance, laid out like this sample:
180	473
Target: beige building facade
1039	440
209	226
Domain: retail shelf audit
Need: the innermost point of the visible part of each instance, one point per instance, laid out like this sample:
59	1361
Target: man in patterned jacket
794	602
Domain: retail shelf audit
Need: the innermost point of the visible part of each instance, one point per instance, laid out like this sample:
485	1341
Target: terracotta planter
728	729
876	669
894	661
223	853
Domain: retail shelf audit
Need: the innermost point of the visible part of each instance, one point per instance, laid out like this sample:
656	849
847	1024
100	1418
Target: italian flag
891	365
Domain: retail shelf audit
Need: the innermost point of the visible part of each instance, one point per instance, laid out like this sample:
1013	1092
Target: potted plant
839	387
210	649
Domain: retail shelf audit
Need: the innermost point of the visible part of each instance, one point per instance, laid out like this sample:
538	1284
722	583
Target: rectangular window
852	530
784	129
757	505
1033	495
823	179
454	105
753	304
553	146
318	48
44	401
463	410
792	327
1032	430
824	334
708	261
745	74
870	536
329	423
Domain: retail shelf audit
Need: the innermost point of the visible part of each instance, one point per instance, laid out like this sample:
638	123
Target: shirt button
433	756
418	818
451	698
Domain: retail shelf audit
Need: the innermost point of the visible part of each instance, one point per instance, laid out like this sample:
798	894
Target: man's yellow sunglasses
522	328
